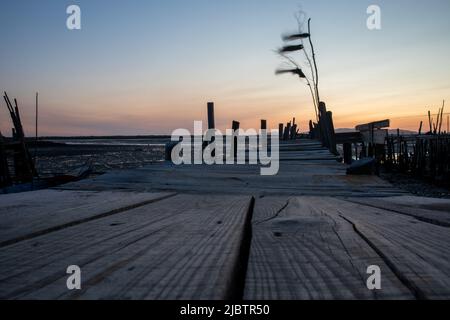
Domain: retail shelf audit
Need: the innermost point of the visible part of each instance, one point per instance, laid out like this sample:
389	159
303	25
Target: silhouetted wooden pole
287	131
263	124
316	82
36	124
442	113
448	118
280	130
331	133
211	122
430	122
347	153
235	127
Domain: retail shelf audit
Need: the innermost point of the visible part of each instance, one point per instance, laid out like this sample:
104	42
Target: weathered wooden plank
301	252
185	247
373	125
26	215
348	137
312	177
431	210
416	251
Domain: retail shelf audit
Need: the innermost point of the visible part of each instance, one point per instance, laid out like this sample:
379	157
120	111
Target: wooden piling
211	122
311	129
287	131
280	130
347	153
263	124
293	131
5	178
323	125
235	127
331	133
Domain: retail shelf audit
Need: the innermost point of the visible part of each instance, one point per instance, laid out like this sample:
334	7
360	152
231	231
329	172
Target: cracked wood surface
306	168
320	248
185	247
300	251
313	233
29	214
418	252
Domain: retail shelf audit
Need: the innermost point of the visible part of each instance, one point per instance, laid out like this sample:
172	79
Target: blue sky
139	67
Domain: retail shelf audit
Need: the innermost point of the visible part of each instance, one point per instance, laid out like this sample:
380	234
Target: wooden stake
36	124
211	121
263	124
430	121
235	127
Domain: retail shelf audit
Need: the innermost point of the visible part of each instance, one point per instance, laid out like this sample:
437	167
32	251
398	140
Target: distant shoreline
114	137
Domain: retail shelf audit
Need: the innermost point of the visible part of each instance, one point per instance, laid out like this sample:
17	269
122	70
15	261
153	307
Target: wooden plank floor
300	251
306	168
185	247
225	232
432	210
418	252
26	215
320	248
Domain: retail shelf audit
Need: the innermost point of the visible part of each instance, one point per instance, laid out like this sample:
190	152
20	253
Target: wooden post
311	129
235	127
331	133
323	125
287	131
347	153
263	124
430	122
211	125
293	131
448	128
211	122
440	118
5	178
36	133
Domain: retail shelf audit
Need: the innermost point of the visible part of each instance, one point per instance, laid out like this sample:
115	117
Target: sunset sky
150	66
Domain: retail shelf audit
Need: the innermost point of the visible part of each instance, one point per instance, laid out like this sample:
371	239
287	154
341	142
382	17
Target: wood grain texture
431	210
299	251
25	215
306	168
185	247
192	238
418	252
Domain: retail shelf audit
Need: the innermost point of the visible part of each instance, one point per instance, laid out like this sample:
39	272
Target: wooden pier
225	232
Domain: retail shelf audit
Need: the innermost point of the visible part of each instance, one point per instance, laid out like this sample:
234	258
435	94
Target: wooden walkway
225	232
306	168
